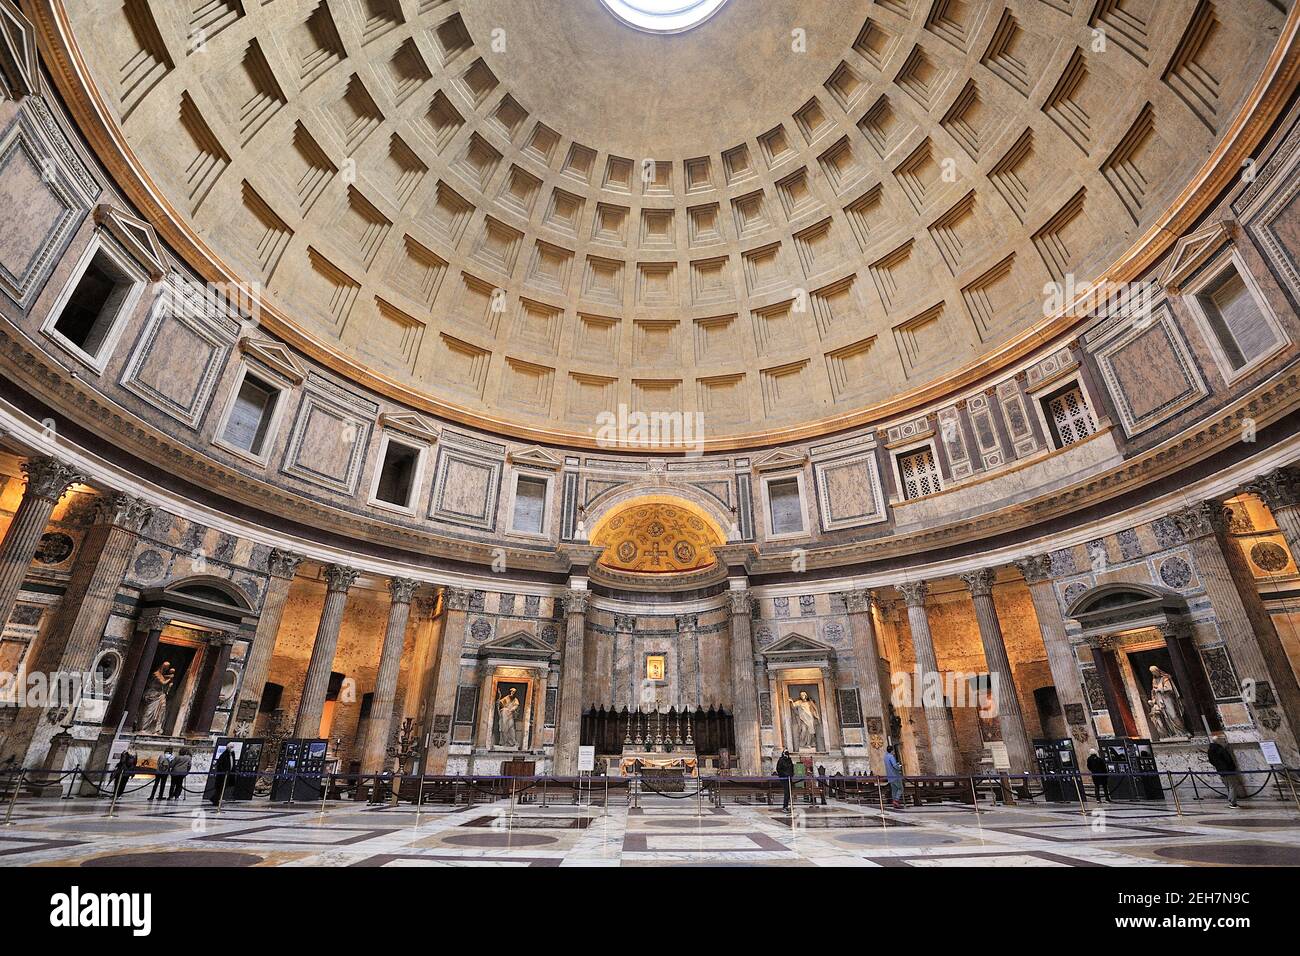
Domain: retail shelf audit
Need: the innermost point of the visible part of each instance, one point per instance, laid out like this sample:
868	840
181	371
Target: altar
682	764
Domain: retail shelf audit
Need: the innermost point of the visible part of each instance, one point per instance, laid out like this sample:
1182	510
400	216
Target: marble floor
662	831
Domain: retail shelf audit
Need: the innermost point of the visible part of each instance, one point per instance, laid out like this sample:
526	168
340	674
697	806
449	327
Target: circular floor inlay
178	858
1234	854
499	839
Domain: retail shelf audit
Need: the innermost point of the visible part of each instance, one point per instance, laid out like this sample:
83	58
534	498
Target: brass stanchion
1079	790
325	791
18	785
1291	784
419	800
221	791
72	787
1178	804
293	786
118	787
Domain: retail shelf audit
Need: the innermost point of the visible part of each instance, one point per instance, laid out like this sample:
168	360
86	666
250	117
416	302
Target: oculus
663	16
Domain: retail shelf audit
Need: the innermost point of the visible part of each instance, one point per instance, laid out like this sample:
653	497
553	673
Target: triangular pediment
519	644
536	457
137	236
18	58
411	423
781	458
799	644
1192	250
274	356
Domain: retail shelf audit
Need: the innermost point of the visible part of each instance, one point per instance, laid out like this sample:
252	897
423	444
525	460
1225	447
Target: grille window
1070	417
919	473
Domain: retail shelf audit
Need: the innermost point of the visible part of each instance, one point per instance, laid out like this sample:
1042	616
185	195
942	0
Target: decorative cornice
48	477
402	590
123	511
340	578
980	582
1036	568
283	564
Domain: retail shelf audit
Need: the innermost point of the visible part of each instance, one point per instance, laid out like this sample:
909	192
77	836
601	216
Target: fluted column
744	694
866	654
282	565
311	706
1019	751
1061	659
373	755
73	636
443	690
47	481
1268	683
568	728
938	722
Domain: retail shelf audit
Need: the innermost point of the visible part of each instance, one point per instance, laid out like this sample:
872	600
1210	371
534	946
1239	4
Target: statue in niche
804	720
507	728
1165	706
153	706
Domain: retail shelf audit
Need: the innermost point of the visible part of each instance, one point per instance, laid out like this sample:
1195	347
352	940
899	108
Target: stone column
1189	673
443	690
866	653
47	481
938	722
1269	685
390	658
744	701
73	636
1019	751
311	706
282	565
568	728
219	649
1061	658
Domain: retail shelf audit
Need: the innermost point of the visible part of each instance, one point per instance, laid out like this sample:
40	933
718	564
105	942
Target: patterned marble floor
662	831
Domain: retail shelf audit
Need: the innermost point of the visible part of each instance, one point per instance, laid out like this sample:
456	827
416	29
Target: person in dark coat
1222	760
125	770
224	766
160	775
1100	779
785	770
180	769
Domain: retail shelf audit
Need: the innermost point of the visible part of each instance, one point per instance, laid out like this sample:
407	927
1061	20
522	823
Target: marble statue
804	712
1165	706
153	706
507	729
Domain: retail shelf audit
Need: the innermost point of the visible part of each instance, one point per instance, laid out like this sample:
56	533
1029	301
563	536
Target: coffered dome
786	218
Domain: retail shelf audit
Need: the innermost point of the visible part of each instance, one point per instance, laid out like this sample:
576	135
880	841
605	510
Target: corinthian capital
457	599
402	589
1036	568
980	582
742	602
575	602
340	578
283	564
48	477
858	601
124	511
1280	488
1200	520
914	592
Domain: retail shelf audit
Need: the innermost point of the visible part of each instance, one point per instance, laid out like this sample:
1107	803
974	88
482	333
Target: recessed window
918	473
1068	416
396	481
530	505
785	506
251	414
1236	320
87	316
663	16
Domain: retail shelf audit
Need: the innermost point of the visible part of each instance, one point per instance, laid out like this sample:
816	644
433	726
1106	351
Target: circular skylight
663	16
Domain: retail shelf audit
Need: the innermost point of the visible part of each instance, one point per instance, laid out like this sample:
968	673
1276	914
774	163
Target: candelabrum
690	741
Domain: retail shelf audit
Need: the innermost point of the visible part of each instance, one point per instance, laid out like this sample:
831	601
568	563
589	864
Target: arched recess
657	534
594	512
